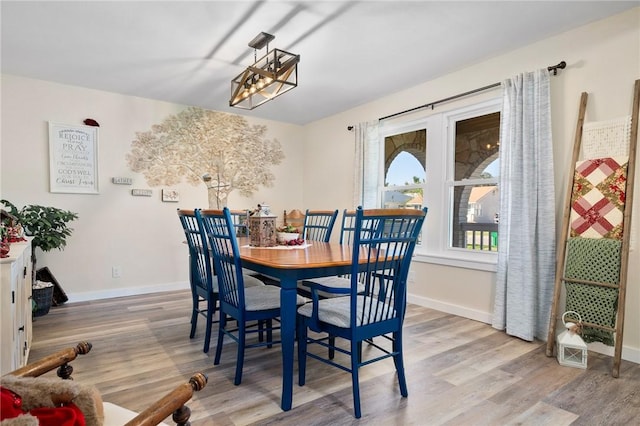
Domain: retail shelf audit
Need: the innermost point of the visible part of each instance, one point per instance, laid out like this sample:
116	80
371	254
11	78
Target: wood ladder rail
624	261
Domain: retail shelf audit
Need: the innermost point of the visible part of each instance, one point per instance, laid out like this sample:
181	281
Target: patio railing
480	236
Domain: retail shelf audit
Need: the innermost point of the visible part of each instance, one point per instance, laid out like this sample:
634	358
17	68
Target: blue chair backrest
220	231
239	218
318	225
348	226
200	270
384	239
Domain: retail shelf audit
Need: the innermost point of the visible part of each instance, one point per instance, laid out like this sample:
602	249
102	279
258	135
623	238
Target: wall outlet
116	271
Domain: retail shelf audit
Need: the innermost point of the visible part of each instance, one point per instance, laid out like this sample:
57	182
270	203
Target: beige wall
603	59
142	234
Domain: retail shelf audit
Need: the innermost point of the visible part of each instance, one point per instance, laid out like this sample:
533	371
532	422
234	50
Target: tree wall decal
196	145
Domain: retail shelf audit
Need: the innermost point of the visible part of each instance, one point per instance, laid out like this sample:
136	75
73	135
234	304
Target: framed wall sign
73	158
170	195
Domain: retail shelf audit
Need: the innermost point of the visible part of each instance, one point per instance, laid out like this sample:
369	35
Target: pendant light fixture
270	76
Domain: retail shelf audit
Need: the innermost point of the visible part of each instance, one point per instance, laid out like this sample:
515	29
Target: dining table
289	264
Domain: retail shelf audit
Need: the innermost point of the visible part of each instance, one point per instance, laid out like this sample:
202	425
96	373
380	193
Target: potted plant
47	225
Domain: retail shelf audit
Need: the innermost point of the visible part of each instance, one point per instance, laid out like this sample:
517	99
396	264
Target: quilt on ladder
598	198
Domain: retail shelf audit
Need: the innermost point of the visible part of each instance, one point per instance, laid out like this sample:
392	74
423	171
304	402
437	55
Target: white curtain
366	168
526	231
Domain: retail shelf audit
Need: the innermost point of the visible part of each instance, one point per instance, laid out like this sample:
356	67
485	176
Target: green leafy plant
288	228
47	225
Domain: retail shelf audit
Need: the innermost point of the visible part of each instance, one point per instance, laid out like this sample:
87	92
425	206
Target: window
474	191
448	162
404	174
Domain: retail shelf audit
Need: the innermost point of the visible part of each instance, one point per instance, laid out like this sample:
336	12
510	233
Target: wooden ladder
624	261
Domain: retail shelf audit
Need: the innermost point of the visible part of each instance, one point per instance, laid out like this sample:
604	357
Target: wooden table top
317	255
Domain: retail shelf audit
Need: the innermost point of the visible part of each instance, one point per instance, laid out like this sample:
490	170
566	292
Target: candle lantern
262	227
572	350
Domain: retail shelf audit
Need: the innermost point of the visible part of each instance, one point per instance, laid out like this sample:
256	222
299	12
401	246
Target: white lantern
572	351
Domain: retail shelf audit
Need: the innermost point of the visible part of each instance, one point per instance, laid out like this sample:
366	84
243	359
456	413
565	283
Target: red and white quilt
598	197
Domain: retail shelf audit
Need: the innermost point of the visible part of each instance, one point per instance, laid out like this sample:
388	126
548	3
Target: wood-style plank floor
459	372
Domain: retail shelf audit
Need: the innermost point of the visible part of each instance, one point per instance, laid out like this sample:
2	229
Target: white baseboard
129	291
628	353
450	308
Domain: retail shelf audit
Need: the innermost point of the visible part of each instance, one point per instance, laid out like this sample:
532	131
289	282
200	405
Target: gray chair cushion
336	311
265	297
334	282
249	281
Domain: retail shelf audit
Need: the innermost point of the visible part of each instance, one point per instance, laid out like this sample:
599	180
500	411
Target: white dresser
15	307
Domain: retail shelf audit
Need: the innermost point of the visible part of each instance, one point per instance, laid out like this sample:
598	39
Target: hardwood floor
459	372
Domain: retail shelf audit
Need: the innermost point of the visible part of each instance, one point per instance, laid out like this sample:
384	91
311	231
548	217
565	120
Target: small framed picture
170	195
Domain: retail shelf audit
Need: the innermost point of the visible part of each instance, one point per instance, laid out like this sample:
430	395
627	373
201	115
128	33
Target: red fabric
11	404
598	198
68	415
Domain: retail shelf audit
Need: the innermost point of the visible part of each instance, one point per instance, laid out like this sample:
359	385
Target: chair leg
269	333
221	327
355	360
211	310
240	358
302	351
194	317
332	344
399	362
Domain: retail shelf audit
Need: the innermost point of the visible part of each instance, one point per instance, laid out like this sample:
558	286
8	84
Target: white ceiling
187	52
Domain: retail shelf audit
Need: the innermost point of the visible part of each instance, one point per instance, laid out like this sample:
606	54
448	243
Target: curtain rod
553	68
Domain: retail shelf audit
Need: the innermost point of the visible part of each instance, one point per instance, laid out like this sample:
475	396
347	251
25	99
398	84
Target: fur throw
23	420
42	392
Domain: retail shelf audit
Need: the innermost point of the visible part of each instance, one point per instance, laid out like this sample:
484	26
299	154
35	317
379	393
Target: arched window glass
404	169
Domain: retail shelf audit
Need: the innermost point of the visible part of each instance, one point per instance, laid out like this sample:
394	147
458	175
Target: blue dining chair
347	229
383	244
202	281
318	224
200	275
239	218
237	301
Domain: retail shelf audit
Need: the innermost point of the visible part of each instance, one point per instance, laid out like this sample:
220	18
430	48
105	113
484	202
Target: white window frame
437	190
